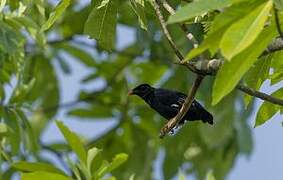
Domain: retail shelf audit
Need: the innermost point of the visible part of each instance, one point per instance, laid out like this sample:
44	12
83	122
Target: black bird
168	103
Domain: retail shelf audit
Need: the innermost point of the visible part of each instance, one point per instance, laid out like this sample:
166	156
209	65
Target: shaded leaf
74	142
139	9
101	24
36	166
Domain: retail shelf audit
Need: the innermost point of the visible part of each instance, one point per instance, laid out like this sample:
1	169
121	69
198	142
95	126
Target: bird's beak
130	93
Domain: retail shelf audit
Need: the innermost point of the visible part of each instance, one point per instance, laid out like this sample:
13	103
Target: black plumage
168	103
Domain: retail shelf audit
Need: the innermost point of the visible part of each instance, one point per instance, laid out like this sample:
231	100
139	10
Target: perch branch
185	107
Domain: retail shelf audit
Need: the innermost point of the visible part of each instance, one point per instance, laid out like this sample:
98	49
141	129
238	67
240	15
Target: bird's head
141	90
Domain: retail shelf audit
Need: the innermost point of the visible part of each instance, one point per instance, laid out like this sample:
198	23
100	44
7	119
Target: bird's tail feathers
206	117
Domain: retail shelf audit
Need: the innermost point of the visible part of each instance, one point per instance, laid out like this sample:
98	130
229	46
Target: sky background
264	163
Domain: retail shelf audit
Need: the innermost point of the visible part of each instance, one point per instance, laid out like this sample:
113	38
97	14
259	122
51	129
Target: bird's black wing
171	101
170	98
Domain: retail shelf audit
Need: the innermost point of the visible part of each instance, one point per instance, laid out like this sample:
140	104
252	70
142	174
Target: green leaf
278	4
3	129
91	154
197	8
36	166
211	42
108	167
267	110
43	176
231	72
22	91
139	9
257	75
101	24
245	31
58	11
74	142
117	161
210	176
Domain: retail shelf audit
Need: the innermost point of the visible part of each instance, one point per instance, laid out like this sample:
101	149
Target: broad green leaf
231	72
36	166
78	53
245	31
257	75
101	24
58	11
74	142
267	110
197	8
43	176
139	9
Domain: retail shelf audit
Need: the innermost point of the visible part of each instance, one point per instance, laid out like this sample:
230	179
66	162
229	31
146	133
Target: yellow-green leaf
197	8
231	72
58	11
245	31
43	176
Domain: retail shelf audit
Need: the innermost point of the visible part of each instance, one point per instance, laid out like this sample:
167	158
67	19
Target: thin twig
185	107
277	22
172	11
260	95
165	30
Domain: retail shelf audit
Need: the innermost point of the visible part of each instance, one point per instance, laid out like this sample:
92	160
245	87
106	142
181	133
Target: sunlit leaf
197	8
245	31
58	11
231	72
43	176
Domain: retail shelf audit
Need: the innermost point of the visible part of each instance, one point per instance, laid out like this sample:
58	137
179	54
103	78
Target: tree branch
185	107
260	95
